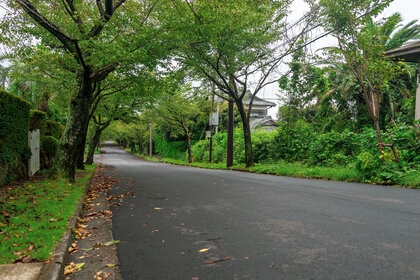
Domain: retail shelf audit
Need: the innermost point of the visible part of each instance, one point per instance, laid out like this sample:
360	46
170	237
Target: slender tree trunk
76	128
94	142
249	156
190	159
188	135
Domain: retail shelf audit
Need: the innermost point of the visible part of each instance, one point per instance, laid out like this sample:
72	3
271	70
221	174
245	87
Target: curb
54	270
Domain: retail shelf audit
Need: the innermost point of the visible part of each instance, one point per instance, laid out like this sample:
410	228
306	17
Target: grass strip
35	216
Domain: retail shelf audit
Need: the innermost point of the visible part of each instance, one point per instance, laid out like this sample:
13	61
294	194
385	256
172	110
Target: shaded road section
178	222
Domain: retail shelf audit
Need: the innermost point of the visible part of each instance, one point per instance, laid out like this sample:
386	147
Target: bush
292	143
14	148
37	120
54	129
264	146
49	146
169	149
333	148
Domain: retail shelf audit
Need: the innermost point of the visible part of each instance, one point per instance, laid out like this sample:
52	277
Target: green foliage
333	155
292	142
134	136
49	147
14	149
169	149
54	129
333	148
36	216
37	120
264	146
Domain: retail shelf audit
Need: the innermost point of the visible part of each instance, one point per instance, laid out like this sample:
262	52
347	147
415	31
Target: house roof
258	101
409	52
263	122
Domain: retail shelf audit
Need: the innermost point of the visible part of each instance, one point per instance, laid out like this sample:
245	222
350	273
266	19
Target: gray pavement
187	223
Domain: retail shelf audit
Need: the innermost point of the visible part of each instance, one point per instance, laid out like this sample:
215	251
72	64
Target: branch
105	15
103	72
68	42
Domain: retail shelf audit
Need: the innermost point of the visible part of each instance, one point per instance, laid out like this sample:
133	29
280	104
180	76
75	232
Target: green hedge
54	129
37	120
14	148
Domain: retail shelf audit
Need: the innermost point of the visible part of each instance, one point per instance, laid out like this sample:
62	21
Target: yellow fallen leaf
158	208
73	267
203	250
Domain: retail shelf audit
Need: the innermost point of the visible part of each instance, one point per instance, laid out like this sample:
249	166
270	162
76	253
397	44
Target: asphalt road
186	223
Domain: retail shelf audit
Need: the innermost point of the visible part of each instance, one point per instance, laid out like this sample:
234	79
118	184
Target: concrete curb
54	270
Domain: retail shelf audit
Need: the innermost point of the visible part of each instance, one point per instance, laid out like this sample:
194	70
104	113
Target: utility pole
229	156
211	128
151	140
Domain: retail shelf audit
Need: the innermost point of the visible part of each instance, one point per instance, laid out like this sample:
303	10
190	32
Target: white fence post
34	161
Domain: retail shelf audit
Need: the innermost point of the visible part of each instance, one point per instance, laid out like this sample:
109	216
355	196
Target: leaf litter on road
89	230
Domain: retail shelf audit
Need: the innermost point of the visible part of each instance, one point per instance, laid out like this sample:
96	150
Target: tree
120	98
361	45
236	45
180	112
89	40
304	88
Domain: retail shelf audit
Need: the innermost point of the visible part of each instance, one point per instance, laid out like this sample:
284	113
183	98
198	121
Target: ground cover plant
35	215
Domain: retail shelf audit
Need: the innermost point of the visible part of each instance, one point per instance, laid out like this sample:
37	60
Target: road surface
177	222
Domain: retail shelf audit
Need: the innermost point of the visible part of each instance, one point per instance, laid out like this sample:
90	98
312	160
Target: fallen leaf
158	208
203	250
73	267
218	260
73	247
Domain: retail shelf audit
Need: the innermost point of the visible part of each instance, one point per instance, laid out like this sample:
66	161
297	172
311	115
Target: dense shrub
334	148
292	143
301	143
49	147
37	120
170	149
14	149
54	129
264	146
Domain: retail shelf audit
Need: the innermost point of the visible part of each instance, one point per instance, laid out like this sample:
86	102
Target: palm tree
397	37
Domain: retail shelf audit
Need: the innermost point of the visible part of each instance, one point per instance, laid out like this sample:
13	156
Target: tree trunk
94	141
249	156
190	159
76	128
81	149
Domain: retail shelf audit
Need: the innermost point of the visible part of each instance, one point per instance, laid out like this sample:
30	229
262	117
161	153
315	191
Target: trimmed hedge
54	129
37	120
14	148
49	147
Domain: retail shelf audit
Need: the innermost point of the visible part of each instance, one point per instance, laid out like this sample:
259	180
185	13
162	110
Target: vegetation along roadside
35	215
